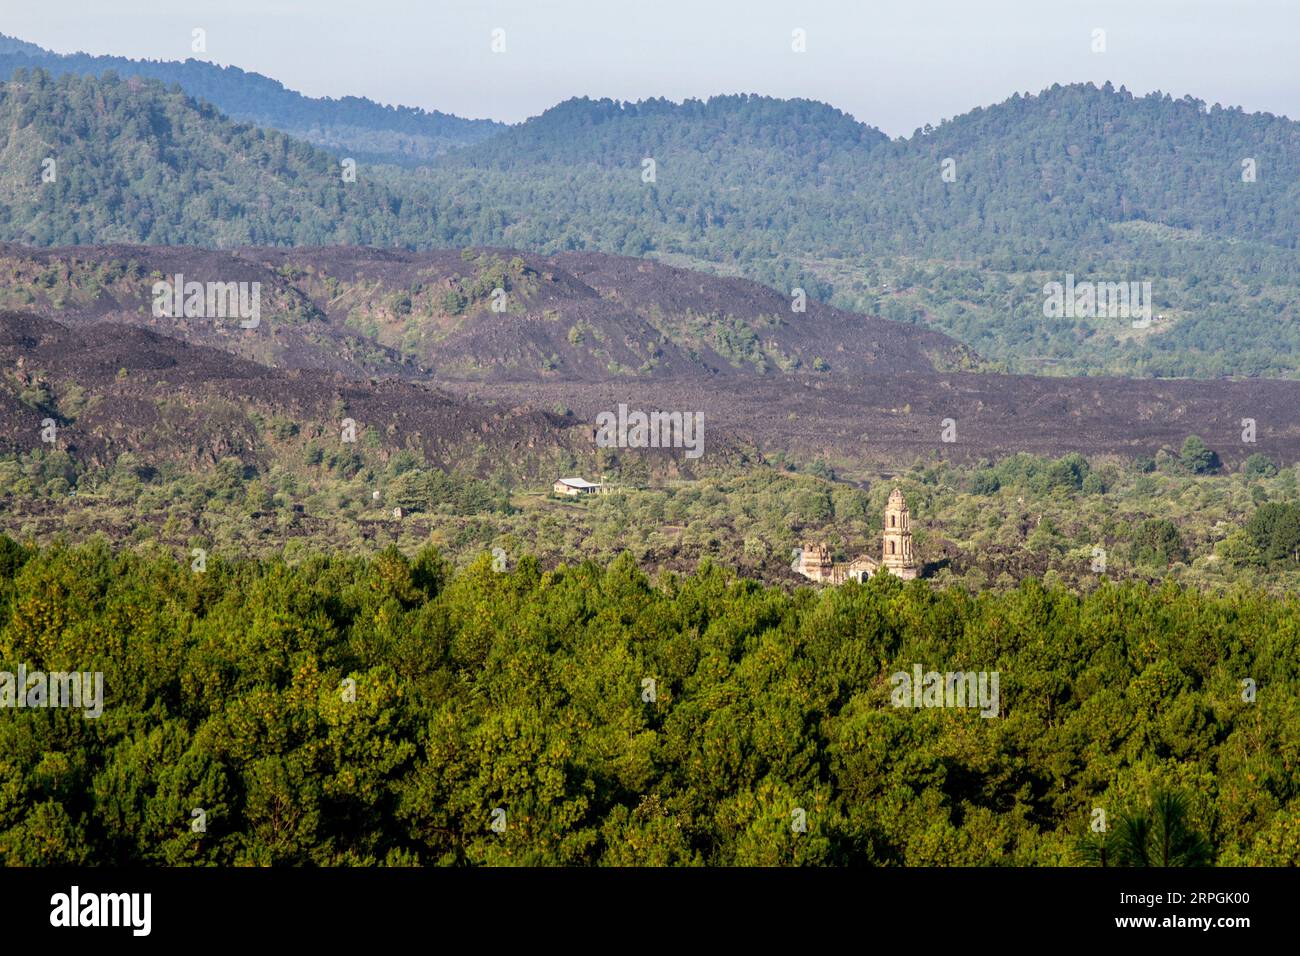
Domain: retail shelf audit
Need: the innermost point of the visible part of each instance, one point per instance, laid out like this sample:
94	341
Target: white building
573	487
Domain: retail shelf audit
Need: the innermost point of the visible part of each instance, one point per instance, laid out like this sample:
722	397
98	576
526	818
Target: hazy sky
895	65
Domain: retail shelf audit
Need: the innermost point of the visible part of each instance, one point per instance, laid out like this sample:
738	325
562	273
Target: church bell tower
896	557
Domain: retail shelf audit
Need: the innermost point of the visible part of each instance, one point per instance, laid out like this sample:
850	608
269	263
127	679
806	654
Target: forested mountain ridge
353	125
739	131
1098	156
960	225
129	161
10	46
1077	181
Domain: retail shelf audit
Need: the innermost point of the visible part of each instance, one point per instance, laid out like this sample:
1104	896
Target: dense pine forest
388	710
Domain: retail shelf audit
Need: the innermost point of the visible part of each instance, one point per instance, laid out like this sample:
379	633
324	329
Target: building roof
577	483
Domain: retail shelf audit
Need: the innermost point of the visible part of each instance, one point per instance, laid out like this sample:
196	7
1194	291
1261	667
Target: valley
197	432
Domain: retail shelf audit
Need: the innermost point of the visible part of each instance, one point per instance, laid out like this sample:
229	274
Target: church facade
896	555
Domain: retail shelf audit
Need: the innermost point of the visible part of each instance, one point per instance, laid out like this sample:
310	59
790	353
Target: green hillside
134	162
1078	180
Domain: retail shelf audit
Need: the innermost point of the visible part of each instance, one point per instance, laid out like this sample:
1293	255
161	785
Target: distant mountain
752	134
350	126
13	46
958	227
129	161
1080	157
1063	165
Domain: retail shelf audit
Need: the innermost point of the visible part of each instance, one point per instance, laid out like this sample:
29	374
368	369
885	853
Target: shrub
1157	542
1197	457
1258	466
